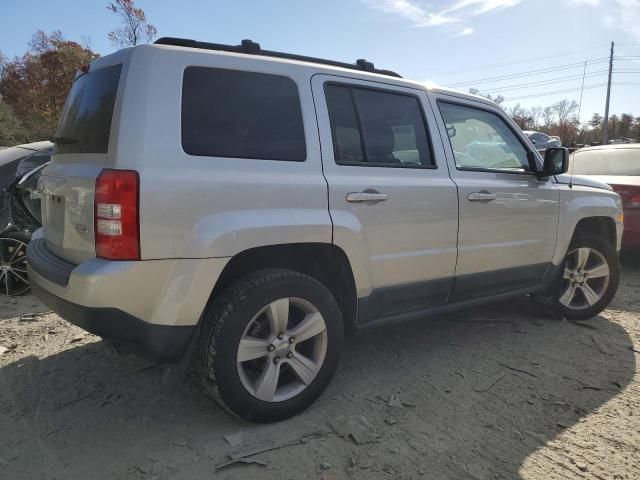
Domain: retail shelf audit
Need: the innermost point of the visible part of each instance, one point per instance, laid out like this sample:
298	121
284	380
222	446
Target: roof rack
252	48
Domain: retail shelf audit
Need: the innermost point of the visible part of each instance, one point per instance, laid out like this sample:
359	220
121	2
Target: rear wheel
13	264
590	278
270	345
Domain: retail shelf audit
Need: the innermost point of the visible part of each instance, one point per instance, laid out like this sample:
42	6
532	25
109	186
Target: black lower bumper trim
161	342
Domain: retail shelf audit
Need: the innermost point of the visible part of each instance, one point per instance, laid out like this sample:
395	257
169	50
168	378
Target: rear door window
85	123
372	127
230	113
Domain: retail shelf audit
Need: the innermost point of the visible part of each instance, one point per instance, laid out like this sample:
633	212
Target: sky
540	46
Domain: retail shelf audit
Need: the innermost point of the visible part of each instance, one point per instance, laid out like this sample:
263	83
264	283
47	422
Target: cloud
591	3
410	10
464	33
481	6
422	15
622	15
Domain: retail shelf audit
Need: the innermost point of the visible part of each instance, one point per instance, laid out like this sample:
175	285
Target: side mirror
556	161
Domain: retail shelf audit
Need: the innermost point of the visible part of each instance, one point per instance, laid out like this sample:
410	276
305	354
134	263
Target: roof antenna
571	172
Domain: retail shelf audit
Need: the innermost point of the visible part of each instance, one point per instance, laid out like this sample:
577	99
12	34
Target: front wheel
590	278
270	344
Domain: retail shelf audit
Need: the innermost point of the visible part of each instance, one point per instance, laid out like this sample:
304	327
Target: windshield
613	161
85	123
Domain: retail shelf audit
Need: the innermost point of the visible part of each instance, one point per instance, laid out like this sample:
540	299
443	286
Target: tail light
633	202
630	195
117	228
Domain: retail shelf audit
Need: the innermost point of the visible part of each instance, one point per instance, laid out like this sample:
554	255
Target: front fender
582	202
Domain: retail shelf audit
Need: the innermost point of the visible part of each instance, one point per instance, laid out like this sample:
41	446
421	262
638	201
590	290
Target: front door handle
482	196
366	196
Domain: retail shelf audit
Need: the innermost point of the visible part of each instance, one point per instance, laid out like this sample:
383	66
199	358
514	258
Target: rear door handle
362	197
482	196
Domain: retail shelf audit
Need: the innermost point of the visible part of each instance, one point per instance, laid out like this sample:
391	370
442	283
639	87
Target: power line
550	81
530	72
528	60
589	87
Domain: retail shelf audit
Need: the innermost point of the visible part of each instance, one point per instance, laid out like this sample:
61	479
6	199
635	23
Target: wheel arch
324	262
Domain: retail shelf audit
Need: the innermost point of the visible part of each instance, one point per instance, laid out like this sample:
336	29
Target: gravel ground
498	392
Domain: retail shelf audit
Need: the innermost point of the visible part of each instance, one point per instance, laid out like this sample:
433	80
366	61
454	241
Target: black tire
225	322
552	298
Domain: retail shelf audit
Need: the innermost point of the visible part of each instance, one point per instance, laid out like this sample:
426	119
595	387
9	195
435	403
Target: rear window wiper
64	140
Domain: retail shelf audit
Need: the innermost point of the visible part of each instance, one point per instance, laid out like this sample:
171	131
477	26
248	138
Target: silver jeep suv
245	208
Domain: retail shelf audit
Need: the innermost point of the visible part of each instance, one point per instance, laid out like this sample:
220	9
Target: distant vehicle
19	210
543	141
619	166
616	141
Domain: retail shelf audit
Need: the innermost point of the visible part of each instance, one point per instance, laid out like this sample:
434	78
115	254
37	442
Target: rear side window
85	123
377	128
229	113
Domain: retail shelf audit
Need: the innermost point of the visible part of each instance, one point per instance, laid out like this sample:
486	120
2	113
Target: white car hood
582	180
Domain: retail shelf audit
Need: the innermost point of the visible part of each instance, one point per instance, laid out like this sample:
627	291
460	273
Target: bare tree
498	99
535	113
516	110
548	115
565	109
133	28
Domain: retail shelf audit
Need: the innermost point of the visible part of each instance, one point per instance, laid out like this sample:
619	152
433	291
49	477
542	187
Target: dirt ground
498	392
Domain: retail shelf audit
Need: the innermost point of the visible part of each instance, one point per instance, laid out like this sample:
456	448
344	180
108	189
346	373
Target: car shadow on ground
483	390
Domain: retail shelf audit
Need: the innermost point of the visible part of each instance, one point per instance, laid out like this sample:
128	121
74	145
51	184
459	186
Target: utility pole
584	74
605	127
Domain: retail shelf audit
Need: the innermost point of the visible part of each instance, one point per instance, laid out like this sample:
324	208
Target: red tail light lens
117	229
633	202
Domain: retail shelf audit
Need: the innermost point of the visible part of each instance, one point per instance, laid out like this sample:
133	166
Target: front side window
482	140
231	113
377	128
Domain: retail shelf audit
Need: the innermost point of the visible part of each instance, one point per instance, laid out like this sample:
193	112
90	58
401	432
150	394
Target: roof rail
252	48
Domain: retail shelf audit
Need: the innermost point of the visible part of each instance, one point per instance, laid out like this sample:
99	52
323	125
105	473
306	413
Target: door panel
508	217
406	234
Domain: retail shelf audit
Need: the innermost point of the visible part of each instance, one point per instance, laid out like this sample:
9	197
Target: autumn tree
35	86
134	28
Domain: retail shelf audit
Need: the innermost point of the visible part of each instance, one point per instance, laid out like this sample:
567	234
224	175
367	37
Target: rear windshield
229	113
85	123
613	161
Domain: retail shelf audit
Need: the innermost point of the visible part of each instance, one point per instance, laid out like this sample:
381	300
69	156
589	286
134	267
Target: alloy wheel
13	267
282	349
585	279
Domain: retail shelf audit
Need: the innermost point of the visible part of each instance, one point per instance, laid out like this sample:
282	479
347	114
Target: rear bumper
160	342
151	304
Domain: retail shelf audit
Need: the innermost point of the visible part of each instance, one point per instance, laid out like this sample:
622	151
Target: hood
583	181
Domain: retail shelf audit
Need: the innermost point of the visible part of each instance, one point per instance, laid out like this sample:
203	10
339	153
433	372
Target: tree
548	115
35	86
11	130
535	113
565	109
134	28
498	99
626	124
596	120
